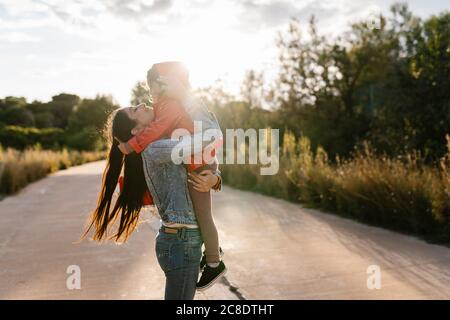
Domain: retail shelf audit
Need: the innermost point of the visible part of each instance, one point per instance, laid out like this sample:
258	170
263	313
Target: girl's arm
168	116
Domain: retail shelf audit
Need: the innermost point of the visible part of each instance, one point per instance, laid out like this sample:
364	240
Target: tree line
65	121
387	86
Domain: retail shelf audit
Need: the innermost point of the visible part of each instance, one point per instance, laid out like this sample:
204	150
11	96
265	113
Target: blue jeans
179	257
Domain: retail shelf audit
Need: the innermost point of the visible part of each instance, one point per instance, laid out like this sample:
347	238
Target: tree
87	138
416	109
9	102
317	82
44	120
61	107
87	122
252	89
91	113
13	112
54	113
17	116
140	94
215	95
388	85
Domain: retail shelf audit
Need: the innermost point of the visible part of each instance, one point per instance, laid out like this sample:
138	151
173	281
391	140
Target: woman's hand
203	181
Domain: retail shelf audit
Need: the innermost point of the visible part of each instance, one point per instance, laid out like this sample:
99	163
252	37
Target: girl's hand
203	181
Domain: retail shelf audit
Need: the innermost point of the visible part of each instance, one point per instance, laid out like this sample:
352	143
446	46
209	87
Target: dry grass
402	194
19	168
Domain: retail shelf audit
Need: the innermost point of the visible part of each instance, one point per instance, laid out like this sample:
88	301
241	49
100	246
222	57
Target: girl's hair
169	68
152	75
130	201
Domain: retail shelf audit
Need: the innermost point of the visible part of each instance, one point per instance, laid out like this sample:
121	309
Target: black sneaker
211	275
203	261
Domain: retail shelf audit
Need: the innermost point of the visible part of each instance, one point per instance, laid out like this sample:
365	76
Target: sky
90	47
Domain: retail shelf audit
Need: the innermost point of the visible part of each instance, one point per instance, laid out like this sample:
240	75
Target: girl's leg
203	212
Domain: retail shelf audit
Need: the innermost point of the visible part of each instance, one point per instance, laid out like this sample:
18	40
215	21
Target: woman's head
127	122
121	125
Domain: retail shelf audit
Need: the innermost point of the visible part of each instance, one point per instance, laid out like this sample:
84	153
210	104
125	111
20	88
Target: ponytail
129	203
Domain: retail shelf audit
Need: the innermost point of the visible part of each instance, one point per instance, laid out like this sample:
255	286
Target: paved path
273	249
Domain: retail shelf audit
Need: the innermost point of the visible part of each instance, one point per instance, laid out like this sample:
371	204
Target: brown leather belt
170	230
176	230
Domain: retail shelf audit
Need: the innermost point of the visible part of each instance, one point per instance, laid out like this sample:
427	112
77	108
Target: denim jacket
200	112
167	181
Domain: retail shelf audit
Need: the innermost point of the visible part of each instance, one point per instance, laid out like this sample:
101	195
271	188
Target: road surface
273	249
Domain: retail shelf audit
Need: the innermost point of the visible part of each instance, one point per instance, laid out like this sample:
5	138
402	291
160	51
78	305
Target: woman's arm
205	180
176	151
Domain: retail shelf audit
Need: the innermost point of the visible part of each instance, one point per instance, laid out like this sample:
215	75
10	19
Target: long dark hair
130	201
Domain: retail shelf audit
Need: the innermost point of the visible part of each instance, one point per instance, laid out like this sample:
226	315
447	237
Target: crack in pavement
235	290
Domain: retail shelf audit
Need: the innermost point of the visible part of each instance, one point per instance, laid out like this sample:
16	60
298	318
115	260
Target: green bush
86	139
20	137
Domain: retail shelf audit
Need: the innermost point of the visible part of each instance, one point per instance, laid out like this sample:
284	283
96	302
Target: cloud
267	14
3	11
95	45
136	9
18	37
107	18
81	14
332	15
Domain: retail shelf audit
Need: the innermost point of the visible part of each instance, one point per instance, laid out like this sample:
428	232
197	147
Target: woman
175	110
178	249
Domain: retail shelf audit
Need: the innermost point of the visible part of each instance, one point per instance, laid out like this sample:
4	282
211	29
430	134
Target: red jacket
169	115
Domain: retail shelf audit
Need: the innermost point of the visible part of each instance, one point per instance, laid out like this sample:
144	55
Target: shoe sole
209	285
